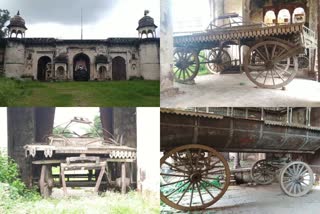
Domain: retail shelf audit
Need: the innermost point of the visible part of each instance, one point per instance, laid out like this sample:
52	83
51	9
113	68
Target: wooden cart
91	155
270	59
194	175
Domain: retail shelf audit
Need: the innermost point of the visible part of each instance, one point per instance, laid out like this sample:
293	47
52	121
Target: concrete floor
228	90
262	200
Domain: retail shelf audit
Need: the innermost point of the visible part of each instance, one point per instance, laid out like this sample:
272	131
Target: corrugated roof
291	125
190	113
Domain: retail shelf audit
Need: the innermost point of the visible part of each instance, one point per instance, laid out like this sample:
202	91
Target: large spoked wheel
193	177
218	60
186	65
263	172
296	179
268	66
46	181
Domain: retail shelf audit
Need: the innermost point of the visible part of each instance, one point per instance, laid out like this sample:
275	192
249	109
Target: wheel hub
182	65
269	65
195	177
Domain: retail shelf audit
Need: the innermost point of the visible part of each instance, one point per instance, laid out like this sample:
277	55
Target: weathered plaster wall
166	46
14	60
20	60
149	61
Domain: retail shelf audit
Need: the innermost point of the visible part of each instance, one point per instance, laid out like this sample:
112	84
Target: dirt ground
261	200
235	90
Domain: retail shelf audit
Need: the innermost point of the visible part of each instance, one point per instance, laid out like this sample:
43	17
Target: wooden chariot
270	53
91	156
195	175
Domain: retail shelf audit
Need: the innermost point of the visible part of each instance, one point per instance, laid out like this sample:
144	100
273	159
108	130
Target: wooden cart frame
78	153
270	60
194	175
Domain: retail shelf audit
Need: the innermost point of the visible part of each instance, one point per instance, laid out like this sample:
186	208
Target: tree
96	129
4	17
59	129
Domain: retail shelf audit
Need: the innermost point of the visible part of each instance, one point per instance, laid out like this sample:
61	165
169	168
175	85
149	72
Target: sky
101	18
62	115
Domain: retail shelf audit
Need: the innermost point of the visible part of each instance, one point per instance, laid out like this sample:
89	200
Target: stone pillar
166	47
313	21
21	131
44	118
106	115
148	150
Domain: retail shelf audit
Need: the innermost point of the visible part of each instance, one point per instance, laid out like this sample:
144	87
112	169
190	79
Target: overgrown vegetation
12	189
11	90
113	93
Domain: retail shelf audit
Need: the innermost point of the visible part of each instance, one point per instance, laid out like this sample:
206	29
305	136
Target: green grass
109	203
113	93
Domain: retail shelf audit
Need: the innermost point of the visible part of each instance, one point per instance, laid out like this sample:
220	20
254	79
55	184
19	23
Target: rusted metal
188	139
229	134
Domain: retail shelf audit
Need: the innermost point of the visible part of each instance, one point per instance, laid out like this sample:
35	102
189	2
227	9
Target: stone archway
81	67
102	73
44	68
119	68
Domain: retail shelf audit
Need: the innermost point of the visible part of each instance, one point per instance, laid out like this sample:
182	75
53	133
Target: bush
9	178
10	90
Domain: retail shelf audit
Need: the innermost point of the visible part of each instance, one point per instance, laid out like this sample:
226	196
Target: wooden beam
123	178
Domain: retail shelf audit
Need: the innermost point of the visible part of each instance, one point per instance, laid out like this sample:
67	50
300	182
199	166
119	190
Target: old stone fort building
47	59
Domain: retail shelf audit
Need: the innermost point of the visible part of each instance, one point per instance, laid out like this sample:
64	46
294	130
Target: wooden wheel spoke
177	169
191	195
200	193
281	77
267	51
177	189
211	184
261	55
168	184
264	82
184	192
206	190
272	77
273	57
273	51
208	170
173	175
260	73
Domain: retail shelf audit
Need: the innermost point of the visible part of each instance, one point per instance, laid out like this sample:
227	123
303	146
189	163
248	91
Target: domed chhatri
17	26
147	28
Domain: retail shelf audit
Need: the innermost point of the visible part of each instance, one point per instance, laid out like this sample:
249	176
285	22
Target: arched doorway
44	68
284	17
81	67
299	15
102	73
119	68
270	18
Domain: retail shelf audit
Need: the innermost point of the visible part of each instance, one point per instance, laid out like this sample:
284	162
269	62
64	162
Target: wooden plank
42	162
99	179
63	182
123	178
